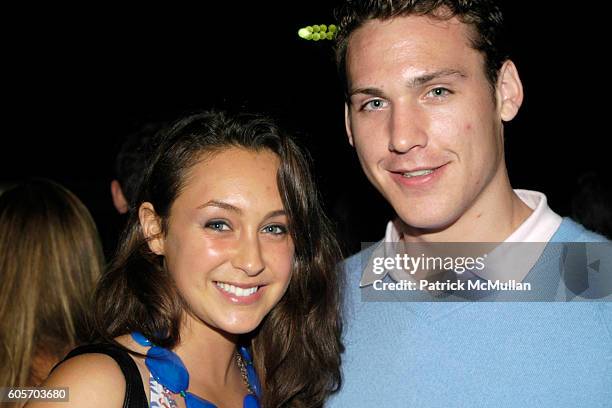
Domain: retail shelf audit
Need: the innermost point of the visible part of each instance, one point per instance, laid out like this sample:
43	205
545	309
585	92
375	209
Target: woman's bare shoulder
93	380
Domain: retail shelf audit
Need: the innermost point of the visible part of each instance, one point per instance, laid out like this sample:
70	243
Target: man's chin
423	222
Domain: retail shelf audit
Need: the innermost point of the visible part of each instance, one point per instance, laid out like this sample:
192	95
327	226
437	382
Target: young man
428	87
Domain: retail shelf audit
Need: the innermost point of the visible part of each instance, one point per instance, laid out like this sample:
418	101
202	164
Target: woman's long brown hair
297	347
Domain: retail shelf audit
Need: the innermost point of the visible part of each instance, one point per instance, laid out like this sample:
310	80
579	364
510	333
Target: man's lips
422	176
412	170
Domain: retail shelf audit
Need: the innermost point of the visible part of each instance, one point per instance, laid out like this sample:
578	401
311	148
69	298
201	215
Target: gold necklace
243	372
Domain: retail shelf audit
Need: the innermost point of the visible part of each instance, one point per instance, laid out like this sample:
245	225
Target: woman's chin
237	326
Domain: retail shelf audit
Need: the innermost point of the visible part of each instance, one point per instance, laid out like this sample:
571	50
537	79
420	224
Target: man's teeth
234	290
417	173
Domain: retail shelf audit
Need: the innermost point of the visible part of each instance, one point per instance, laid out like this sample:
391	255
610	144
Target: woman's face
227	246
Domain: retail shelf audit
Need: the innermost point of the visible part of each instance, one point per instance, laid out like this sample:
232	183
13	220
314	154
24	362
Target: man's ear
347	123
119	200
151	228
509	91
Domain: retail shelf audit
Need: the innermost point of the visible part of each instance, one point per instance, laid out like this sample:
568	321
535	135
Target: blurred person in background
130	165
50	260
592	203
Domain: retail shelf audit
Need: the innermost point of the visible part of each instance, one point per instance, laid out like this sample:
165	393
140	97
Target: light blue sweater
476	354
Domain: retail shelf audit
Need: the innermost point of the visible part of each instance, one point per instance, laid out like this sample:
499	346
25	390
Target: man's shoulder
358	261
571	231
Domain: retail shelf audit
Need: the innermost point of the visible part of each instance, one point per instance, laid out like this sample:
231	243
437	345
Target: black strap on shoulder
135	396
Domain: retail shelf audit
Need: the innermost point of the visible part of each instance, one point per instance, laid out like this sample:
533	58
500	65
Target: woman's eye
275	229
439	92
217	225
374	105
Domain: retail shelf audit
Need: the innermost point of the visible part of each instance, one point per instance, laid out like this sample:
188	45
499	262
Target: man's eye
217	225
439	92
275	229
374	104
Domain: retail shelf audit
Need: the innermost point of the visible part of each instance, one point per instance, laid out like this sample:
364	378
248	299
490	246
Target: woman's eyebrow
230	207
220	204
275	213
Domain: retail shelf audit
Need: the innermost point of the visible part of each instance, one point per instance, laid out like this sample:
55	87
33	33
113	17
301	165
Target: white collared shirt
539	227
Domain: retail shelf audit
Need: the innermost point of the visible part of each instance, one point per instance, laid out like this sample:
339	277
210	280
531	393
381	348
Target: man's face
424	119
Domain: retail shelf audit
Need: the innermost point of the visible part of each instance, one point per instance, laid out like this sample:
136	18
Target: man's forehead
402	30
412	45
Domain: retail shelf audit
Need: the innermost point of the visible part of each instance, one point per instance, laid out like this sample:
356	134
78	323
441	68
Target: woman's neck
208	354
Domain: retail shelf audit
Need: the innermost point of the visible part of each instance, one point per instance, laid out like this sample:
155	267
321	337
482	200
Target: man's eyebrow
412	83
367	91
220	204
425	78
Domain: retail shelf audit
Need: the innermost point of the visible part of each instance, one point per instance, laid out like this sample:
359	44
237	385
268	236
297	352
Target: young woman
225	287
50	261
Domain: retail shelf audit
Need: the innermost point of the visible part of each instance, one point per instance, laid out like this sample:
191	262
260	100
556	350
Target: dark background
77	81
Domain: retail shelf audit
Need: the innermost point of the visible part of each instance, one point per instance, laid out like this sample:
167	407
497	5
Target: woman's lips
239	293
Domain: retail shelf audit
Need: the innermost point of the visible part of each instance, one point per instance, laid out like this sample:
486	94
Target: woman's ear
150	223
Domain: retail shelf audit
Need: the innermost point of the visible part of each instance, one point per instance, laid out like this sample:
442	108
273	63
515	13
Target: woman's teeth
234	290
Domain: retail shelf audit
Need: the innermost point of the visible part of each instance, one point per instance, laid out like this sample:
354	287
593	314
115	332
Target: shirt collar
539	227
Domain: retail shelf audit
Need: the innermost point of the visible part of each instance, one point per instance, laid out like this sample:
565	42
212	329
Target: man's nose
407	128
